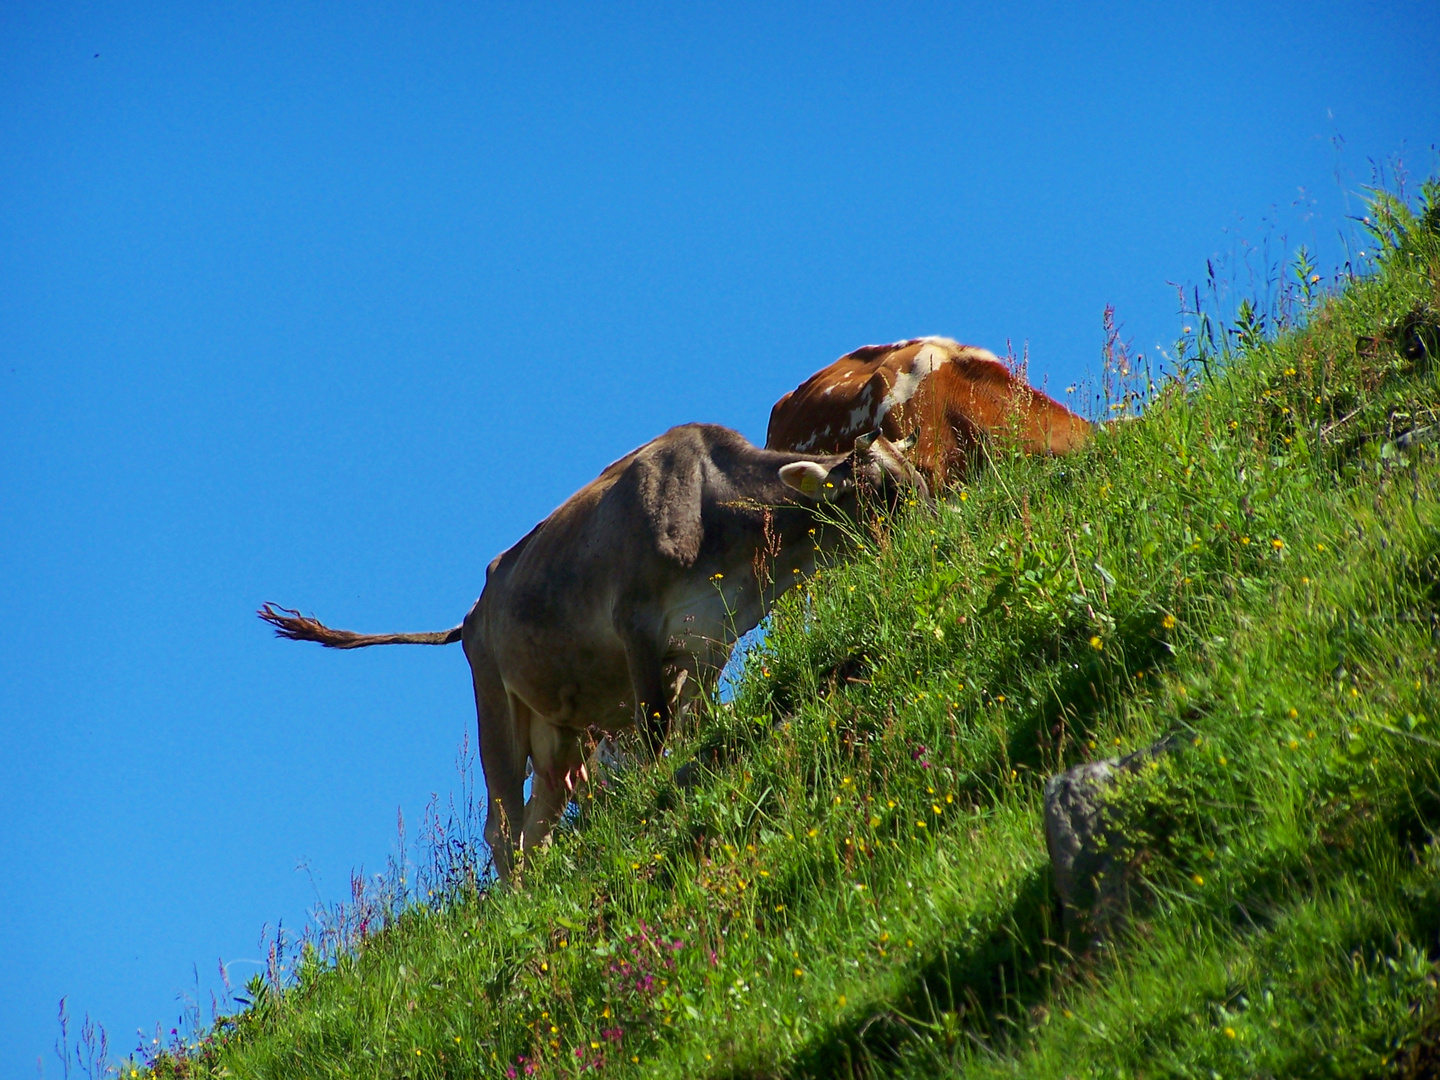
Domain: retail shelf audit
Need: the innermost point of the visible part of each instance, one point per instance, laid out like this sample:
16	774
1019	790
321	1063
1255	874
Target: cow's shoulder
661	491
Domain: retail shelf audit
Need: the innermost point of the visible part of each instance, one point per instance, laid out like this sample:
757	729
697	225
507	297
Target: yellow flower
1198	880
1294	744
799	973
813	833
1277	543
1294	713
1319	547
874	821
1244	540
964	496
1168	622
920	824
1229	1033
842	1001
1096	642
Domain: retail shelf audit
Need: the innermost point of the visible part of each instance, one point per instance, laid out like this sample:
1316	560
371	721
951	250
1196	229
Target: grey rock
1086	845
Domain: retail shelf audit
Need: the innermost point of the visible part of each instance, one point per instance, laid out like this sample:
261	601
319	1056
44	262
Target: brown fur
969	397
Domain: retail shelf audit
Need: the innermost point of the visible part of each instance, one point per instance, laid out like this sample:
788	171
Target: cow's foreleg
647	683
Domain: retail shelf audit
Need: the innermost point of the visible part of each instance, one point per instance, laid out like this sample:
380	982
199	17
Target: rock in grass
1088	848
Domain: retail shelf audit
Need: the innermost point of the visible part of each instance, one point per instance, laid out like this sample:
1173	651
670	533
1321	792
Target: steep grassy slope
843	871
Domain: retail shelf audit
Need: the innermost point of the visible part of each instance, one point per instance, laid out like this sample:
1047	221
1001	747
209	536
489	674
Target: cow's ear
907	444
806	477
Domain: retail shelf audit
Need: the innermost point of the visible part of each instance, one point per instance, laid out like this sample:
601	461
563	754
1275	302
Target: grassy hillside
843	871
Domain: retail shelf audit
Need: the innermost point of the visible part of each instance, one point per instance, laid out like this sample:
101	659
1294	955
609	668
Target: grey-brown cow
635	586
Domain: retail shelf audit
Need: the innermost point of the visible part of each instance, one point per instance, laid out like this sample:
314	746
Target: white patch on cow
827	391
926	362
863	417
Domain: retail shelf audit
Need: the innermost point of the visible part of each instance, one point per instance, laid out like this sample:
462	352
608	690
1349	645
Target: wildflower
1294	744
1290	371
1354	692
935	807
1277	543
874	821
1096	642
813	832
1229	1033
964	496
1197	879
920	824
1319	547
716	577
799	973
1244	540
842	1001
1294	713
1224	760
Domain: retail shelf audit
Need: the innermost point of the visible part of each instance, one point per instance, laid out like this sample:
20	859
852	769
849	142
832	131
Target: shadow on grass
980	992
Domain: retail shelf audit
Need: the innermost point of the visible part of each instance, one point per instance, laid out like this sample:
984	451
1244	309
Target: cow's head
876	466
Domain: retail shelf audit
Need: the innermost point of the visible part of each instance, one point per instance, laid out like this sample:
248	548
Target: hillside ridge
842	872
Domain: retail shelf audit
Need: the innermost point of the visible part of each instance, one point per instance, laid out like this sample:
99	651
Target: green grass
850	878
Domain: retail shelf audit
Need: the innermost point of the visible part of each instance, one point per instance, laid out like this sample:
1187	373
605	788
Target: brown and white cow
637	584
950	396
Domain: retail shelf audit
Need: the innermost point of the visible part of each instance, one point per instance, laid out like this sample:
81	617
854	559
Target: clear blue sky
330	304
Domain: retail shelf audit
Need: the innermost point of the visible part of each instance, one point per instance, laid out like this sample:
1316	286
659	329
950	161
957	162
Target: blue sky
328	305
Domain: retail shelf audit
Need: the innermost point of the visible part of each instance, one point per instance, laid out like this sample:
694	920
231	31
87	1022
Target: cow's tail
296	627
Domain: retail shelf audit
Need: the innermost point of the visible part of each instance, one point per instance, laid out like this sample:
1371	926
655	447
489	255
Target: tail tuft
291	624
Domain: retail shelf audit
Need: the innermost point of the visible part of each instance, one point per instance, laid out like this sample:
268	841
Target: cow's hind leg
504	748
558	754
